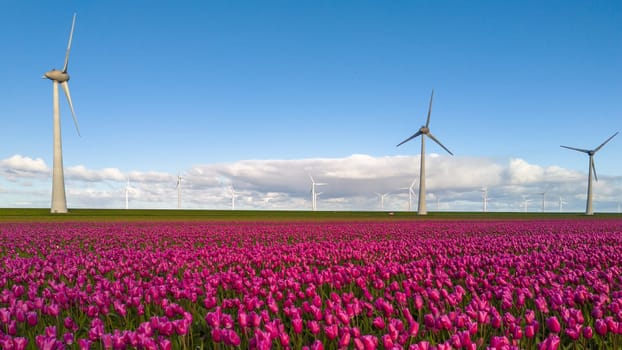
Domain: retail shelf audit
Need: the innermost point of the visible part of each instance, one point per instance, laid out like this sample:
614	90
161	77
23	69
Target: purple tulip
68	338
31	318
165	344
378	323
297	325
314	326
20	343
552	323
601	327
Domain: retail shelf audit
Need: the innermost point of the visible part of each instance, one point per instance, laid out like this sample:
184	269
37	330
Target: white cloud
80	172
18	166
521	172
453	183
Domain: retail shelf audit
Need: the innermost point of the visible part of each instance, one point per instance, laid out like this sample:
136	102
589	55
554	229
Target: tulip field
359	284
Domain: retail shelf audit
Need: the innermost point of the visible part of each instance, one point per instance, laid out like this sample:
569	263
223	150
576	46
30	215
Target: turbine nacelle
56	75
424	130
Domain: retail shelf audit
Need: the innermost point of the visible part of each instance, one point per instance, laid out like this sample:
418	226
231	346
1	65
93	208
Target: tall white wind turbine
178	191
592	171
313	194
484	191
381	197
525	202
59	200
233	193
411	191
423	132
561	204
127	194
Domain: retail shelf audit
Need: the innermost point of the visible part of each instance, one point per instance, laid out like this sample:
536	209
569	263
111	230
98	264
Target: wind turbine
232	191
381	197
411	191
437	199
178	191
561	204
423	132
317	194
592	172
484	191
59	200
313	194
525	202
127	194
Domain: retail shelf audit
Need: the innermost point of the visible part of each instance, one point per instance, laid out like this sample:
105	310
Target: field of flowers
303	285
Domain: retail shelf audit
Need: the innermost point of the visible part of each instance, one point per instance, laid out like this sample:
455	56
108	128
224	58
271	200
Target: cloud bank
453	183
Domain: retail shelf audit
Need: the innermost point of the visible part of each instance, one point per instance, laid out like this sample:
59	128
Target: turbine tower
313	194
561	204
317	194
127	194
525	202
59	200
381	197
178	191
543	194
592	171
423	132
232	191
484	191
411	191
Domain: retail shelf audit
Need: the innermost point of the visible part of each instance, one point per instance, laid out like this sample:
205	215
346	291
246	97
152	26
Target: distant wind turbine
381	196
423	132
59	200
411	191
437	199
127	194
525	202
561	204
317	194
484	191
233	193
592	172
179	191
313	194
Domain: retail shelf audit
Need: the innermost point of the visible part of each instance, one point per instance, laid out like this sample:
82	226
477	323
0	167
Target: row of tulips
303	285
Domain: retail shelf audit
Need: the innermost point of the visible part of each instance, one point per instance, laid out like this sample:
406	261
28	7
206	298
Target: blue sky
281	89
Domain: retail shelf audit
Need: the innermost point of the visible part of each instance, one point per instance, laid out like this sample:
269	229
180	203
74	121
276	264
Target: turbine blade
602	144
439	143
577	149
310	177
593	168
73	24
65	86
427	123
410	138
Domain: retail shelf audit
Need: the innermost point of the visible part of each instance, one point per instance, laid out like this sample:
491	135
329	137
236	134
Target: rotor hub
424	130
